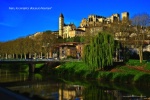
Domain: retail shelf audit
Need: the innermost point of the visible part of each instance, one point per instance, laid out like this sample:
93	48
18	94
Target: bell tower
61	24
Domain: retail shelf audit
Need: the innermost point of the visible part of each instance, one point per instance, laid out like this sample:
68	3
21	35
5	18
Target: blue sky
16	22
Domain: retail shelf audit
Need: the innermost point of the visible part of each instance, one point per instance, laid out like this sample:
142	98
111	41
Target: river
39	86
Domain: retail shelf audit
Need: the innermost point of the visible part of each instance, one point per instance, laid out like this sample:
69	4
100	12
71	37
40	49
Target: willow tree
99	52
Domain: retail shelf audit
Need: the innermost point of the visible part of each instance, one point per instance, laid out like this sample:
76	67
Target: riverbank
132	72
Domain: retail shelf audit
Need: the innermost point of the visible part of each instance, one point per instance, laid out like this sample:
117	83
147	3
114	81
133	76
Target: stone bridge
31	62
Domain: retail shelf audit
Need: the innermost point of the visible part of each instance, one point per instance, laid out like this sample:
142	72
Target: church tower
61	24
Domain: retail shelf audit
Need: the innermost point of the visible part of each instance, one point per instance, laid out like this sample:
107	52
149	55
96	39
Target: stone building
96	20
67	30
70	49
76	32
93	24
125	16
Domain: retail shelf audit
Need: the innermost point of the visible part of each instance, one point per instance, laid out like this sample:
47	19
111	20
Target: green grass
73	68
147	67
125	69
133	62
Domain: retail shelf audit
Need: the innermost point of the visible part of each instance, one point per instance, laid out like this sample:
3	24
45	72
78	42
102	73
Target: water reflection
7	76
44	87
71	92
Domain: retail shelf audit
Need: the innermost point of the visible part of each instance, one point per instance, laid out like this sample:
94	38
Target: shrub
122	77
142	78
105	76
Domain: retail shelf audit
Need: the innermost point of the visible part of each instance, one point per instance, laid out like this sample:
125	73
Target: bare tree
121	31
141	23
48	41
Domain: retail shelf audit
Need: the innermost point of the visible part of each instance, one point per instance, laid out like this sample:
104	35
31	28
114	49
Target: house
70	49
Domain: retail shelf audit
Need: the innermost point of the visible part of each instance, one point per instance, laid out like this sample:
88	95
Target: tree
121	31
141	22
29	45
99	52
48	40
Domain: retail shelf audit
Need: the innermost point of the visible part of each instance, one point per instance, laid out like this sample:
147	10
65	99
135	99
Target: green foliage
47	32
39	65
115	77
122	77
38	76
125	77
94	92
74	39
142	78
99	53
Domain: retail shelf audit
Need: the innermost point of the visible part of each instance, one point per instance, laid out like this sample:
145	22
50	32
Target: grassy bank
132	72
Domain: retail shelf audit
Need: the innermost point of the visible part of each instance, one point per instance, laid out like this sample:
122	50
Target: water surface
46	87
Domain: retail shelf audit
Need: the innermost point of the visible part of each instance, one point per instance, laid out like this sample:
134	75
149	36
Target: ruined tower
125	16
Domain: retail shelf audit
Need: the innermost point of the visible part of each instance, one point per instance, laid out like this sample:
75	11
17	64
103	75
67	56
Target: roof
69	24
68	44
79	30
61	15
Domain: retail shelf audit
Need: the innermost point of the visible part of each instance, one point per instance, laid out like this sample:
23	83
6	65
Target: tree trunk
29	55
21	56
35	55
141	54
41	55
47	55
6	56
16	56
25	56
13	55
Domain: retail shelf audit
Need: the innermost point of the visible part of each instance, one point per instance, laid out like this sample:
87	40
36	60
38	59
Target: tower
61	24
115	18
125	16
